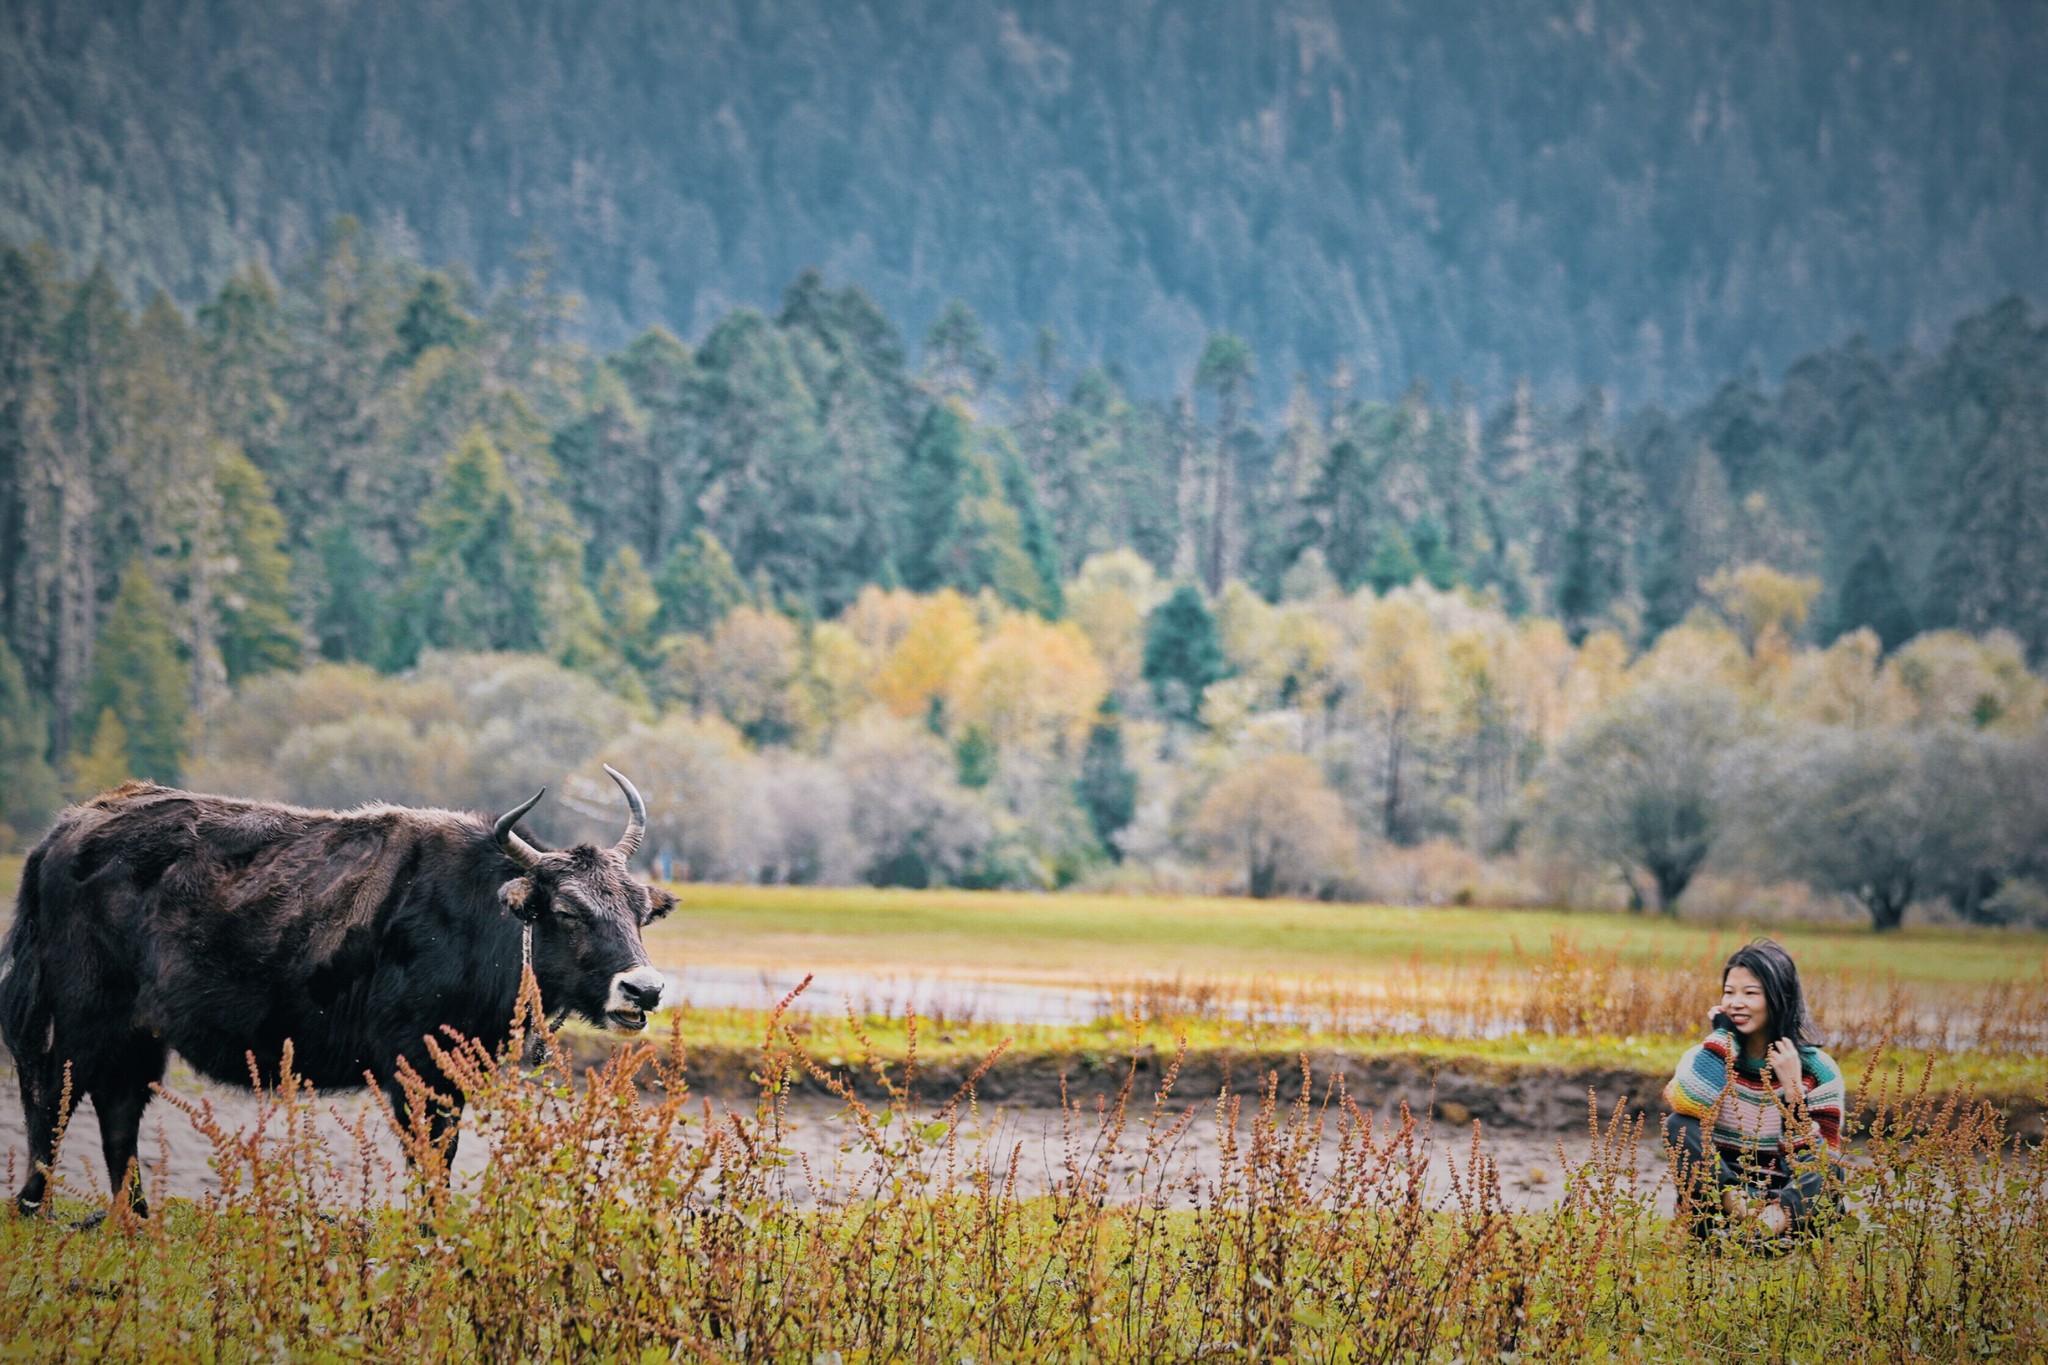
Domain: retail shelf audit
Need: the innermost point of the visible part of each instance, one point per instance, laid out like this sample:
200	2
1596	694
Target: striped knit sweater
1745	1115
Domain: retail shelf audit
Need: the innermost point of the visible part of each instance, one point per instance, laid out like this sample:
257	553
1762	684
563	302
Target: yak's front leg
442	1120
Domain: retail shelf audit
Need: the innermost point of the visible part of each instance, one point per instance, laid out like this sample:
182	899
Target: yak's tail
22	1008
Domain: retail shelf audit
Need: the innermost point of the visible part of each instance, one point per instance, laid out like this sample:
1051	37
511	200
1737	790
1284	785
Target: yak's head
587	910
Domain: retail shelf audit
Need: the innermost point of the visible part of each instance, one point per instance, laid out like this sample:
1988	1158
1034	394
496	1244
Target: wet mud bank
1502	1096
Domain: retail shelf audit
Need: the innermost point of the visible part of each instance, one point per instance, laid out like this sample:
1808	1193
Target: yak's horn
516	848
636	823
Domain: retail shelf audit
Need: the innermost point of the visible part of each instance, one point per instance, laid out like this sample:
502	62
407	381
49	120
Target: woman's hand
1713	1017
1785	1065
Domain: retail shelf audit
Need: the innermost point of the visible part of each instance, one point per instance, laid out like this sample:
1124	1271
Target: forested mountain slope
369	531
1647	196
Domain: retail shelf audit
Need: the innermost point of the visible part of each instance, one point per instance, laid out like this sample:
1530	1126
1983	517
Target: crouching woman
1756	1108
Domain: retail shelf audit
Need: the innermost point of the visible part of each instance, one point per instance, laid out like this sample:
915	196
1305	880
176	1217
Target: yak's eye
575	905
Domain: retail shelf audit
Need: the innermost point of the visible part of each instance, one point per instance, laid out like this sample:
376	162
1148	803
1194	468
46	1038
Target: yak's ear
523	898
659	903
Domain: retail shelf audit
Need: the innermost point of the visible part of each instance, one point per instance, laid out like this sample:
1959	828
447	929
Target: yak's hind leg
120	1092
42	1092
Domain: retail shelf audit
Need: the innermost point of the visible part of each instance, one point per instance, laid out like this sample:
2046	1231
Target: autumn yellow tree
1967	680
1767	606
1277	820
924	663
1396	685
1844	684
1032	684
1109	600
749	674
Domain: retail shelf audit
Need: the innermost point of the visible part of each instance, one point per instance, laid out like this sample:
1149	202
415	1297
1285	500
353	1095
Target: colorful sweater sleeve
1826	1098
1702	1076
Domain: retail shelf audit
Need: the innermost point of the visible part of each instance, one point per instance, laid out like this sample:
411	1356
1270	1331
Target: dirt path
179	1160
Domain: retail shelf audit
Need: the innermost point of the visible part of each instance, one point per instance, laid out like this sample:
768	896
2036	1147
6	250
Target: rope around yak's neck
534	1050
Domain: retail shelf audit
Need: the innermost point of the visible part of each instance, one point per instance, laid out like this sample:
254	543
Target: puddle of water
937	999
934	999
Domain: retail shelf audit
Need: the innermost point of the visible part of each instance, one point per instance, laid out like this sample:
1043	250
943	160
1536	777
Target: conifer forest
1256	483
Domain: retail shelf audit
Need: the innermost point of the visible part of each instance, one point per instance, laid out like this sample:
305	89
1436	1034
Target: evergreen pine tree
348	623
958	359
1871	597
1992	567
29	793
1298	459
1394	563
852	362
959	529
1697	539
1034	531
1336	515
1433	552
258	630
660	374
242	338
1183	653
698	586
432	317
1598	581
90	348
28	458
975	757
630	604
769	492
609	474
104	763
932	487
1107	787
138	676
478	582
343	305
1227	368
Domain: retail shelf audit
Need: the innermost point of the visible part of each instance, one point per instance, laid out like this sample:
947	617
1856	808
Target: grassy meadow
1094	939
618	1217
1089	939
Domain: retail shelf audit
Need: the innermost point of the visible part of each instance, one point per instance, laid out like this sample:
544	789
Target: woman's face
1742	1000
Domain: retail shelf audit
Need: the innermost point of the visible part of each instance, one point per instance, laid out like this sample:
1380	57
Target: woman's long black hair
1773	968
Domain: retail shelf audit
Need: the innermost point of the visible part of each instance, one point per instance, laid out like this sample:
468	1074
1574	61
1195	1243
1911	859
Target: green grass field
606	1226
1093	938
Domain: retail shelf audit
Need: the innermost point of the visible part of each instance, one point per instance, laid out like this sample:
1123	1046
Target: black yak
151	919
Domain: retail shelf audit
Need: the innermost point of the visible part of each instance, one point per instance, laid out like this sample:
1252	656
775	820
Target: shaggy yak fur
151	919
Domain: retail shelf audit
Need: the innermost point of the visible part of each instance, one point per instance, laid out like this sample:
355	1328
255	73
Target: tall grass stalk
620	1217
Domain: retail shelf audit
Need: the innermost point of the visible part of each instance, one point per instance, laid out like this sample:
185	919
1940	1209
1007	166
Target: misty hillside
1648	197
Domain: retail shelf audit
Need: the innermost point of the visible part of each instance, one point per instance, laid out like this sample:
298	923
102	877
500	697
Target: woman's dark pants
1801	1192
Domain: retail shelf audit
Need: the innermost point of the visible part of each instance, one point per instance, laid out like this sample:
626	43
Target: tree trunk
1390	813
1187	496
1222	557
1887	905
1636	902
77	623
1672	879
